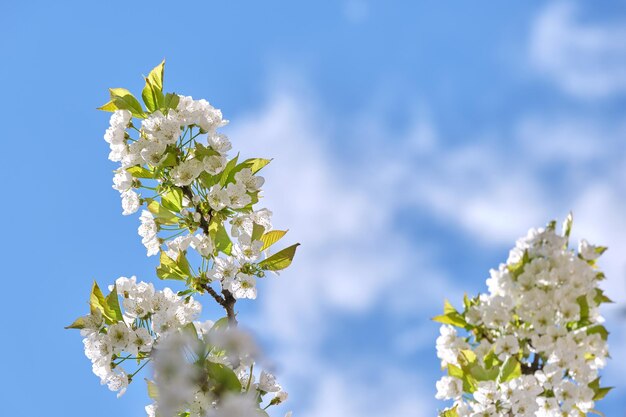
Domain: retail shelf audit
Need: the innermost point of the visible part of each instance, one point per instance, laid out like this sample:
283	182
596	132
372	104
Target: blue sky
413	142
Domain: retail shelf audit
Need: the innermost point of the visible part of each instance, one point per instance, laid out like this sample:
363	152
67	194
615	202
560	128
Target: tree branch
226	300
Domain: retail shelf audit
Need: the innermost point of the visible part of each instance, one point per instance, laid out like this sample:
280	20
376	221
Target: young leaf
123	99
518	268
584	308
449	412
510	369
257	231
96	299
222	240
170	101
279	260
153	391
110	106
152	93
79	323
164	215
170	269
567	226
173	199
112	306
599	329
450	316
272	237
255	165
138	171
226	177
223	378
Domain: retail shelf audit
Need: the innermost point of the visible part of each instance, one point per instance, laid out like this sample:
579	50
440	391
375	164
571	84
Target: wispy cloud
584	59
356	259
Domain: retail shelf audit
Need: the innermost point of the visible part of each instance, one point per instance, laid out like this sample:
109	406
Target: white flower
449	388
242	286
140	341
119	335
237	195
148	231
224	268
153	153
247	250
179	244
130	202
118	381
251	182
122	180
203	244
218	198
214	164
219	143
186	172
267	382
506	346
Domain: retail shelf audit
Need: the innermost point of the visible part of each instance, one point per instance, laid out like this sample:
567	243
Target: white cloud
584	59
356	259
352	260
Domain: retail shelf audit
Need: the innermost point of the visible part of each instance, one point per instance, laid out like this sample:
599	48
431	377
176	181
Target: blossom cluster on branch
200	218
533	345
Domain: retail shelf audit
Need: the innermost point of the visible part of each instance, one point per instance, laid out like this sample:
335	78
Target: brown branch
226	300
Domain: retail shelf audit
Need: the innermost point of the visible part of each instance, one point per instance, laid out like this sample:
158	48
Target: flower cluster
199	217
534	343
194	368
112	337
177	164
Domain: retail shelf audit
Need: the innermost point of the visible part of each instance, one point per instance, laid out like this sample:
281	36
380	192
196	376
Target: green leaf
491	359
255	165
79	323
153	391
173	199
450	316
567	226
123	99
600	297
164	215
153	91
279	260
109	106
449	412
202	152
224	379
600	249
221	324
257	231
96	299
584	308
112	306
599	393
173	269
272	237
138	171
226	177
170	101
516	269
209	180
106	306
220	236
510	369
599	329
169	160
455	371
